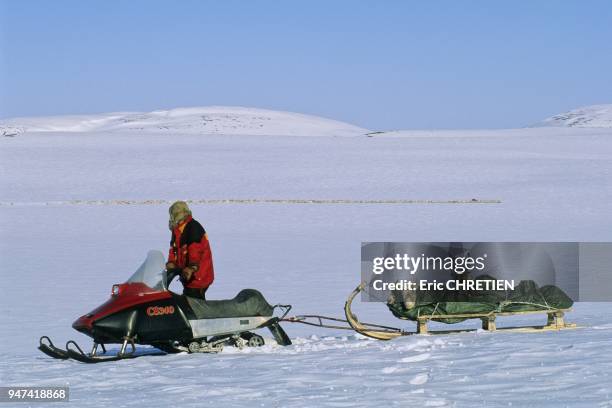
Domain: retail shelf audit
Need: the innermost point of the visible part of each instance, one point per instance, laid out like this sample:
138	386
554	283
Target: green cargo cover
526	296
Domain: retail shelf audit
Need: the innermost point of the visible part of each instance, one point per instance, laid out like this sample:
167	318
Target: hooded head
178	212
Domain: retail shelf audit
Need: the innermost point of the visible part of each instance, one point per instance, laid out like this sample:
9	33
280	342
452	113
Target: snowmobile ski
47	347
75	352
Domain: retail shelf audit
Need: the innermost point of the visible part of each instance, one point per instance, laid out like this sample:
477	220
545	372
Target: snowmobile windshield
152	272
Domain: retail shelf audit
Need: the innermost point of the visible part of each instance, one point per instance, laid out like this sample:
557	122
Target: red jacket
189	247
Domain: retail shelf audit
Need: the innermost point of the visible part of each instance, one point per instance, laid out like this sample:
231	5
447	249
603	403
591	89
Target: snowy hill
196	120
595	116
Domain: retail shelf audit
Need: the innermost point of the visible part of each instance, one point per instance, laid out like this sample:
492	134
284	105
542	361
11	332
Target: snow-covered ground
60	258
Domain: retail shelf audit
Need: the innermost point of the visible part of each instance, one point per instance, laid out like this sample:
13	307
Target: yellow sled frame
555	322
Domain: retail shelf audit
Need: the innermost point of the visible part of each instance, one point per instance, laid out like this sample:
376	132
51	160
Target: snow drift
594	116
196	120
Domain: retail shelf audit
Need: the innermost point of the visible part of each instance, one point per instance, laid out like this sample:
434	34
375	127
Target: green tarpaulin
526	296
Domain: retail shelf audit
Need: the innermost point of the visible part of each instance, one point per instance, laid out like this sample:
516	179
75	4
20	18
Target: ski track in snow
60	261
225	201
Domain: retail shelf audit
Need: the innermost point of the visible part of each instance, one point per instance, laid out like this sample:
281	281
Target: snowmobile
144	311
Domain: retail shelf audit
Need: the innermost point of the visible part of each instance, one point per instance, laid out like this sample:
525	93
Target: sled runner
555	321
143	311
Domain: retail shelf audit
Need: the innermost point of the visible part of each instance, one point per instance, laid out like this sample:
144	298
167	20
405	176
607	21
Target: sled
555	322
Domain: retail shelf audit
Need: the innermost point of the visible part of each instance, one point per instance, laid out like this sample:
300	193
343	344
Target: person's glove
187	273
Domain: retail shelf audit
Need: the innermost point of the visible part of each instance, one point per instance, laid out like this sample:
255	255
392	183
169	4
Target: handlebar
170	275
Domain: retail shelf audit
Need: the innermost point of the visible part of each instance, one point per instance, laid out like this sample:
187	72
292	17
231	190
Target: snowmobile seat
248	302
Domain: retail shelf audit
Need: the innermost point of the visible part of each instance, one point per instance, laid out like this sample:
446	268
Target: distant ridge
197	120
593	116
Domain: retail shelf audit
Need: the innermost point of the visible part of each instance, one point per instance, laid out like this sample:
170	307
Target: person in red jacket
189	251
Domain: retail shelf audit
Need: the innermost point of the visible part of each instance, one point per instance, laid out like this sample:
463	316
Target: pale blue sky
378	64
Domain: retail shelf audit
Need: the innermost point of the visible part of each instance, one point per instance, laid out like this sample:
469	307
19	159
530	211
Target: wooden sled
555	322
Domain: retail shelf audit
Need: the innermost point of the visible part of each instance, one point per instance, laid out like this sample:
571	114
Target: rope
303	319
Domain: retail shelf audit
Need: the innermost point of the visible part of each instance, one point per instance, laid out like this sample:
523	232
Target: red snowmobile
143	311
